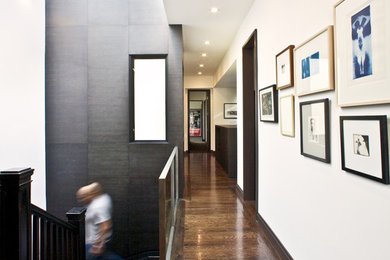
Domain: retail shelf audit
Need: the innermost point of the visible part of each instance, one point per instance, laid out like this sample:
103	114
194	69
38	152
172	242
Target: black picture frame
369	132
227	108
268	104
314	129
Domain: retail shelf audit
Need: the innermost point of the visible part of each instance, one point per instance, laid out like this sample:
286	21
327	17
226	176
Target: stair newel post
76	217
15	215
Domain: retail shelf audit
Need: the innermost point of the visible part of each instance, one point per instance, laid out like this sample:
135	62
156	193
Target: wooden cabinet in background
226	148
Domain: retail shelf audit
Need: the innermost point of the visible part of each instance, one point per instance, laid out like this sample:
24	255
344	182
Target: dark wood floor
213	223
198	147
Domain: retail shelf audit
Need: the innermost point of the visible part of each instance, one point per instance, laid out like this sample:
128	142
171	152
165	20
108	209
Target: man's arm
98	247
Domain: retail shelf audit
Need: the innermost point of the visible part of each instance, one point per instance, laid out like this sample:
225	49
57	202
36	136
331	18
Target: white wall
201	95
22	92
195	82
317	210
221	96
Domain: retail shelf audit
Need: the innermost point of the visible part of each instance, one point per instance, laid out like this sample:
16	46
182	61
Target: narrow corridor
213	223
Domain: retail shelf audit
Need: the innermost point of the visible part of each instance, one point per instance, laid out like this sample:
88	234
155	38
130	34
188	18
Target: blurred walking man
98	222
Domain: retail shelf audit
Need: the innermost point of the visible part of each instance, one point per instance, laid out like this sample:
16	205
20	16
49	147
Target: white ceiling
199	25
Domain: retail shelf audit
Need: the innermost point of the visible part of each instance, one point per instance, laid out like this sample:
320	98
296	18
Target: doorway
250	139
199	120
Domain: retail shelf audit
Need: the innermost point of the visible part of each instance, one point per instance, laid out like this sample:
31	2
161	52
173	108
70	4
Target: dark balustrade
29	232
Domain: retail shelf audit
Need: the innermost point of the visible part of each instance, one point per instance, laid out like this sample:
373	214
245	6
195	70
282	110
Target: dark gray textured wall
88	43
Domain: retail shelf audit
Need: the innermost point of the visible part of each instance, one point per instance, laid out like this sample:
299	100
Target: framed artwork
314	123
287	118
196	117
268	101
285	68
195	122
313	64
362	52
364	146
230	110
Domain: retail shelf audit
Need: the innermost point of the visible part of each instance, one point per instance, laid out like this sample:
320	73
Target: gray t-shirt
98	211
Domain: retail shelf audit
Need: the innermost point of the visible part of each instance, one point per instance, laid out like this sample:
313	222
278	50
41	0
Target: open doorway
199	120
250	143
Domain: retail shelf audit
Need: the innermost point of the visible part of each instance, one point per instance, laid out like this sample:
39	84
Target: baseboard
278	246
239	192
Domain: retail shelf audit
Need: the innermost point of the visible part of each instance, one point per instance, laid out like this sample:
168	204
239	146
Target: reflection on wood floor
213	223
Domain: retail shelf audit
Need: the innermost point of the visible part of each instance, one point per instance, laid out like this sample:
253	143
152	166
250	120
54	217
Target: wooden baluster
49	247
61	239
35	237
43	241
66	244
54	241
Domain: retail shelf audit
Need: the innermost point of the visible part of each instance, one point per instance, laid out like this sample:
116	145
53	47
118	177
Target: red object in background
194	131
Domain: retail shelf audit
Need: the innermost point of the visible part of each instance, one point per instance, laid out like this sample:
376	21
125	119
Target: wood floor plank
213	223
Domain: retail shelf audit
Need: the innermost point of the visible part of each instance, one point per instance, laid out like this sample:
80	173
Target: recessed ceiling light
207	42
201	65
214	10
199	73
204	54
26	2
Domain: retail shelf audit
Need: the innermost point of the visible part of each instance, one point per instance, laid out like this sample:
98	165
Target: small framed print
364	146
313	64
314	121
287	118
285	68
362	52
268	100
230	110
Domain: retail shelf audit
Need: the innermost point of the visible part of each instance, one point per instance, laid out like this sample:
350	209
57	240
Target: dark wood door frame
250	125
207	119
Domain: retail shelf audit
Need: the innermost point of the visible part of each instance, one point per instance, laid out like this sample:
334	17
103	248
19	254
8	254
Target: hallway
213	223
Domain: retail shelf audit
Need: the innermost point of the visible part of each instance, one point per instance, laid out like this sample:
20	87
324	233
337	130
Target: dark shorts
108	255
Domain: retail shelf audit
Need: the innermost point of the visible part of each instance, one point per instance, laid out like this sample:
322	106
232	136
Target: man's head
87	193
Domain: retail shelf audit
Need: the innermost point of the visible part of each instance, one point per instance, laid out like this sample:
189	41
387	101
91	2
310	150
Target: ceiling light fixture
26	2
199	73
201	65
204	54
214	10
207	42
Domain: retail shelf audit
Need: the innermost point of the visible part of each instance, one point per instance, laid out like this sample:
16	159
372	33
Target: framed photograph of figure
313	64
362	52
268	102
285	68
364	146
314	121
287	118
230	110
195	117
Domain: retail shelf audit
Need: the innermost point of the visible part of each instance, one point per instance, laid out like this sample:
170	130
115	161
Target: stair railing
28	232
168	186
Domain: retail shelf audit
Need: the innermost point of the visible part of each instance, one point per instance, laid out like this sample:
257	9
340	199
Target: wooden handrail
44	214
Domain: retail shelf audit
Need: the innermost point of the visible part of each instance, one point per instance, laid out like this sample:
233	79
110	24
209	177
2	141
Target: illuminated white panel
149	100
